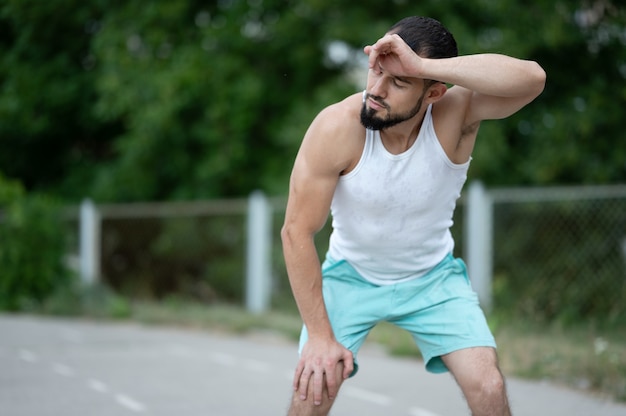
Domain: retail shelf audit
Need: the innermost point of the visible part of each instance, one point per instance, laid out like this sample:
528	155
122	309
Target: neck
399	138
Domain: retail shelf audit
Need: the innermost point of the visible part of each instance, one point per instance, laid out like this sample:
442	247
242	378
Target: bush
32	248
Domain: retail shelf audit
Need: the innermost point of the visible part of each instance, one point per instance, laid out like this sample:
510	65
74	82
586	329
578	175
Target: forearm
305	277
489	74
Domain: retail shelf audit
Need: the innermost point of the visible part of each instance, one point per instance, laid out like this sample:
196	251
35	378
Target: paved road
71	368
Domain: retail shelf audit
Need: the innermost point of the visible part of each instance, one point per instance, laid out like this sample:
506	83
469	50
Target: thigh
477	374
471	364
448	317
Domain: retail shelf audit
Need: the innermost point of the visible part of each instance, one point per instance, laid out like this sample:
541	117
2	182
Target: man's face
390	99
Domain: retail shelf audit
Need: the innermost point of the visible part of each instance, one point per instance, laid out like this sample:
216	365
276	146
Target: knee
306	407
489	385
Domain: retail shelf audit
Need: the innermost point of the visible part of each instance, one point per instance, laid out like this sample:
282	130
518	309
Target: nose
378	87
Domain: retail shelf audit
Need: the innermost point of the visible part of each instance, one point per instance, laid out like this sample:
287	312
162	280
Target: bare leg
477	373
306	407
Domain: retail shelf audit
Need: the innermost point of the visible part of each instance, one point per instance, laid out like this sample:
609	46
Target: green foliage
571	133
49	138
204	92
10	191
94	301
32	248
177	99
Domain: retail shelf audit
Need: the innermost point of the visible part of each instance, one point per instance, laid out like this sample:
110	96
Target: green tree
571	134
176	99
204	92
49	137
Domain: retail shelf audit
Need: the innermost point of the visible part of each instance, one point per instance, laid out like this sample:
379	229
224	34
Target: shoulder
336	136
342	117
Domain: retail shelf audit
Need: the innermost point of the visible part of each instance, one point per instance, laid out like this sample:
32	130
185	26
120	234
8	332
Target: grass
580	357
583	357
221	317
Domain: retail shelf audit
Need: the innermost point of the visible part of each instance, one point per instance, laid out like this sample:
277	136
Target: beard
369	120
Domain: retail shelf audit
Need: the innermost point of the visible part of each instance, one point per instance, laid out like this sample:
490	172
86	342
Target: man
390	164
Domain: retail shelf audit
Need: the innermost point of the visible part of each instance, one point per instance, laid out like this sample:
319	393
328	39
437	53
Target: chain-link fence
557	253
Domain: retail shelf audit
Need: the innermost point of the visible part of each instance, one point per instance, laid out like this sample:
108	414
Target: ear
435	92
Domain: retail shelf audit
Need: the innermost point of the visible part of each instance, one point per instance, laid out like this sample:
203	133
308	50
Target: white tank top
392	214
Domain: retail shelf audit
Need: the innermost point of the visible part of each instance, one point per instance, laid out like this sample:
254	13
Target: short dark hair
426	36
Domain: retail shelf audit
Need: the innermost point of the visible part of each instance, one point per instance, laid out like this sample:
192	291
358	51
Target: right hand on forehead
396	56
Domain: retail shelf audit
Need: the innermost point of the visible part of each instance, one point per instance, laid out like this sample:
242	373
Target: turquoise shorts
440	310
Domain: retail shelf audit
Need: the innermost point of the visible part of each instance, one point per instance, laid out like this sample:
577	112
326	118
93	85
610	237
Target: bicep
310	196
329	147
313	180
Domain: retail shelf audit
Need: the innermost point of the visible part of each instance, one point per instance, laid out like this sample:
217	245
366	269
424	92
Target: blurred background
169	114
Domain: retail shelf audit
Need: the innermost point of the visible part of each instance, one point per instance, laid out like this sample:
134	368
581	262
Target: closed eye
402	81
399	82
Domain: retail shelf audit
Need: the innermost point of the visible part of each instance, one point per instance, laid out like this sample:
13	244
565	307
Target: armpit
470	130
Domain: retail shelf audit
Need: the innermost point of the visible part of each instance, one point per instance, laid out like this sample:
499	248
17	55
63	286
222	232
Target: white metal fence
553	240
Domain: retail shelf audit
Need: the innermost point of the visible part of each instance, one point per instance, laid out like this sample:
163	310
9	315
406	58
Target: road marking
417	411
367	396
62	369
354	392
28	356
66	371
97	385
130	403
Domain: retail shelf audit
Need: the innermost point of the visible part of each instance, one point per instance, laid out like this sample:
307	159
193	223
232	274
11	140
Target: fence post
479	242
259	243
89	242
